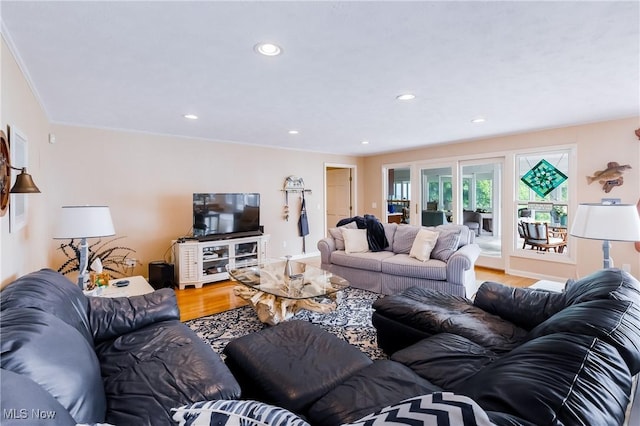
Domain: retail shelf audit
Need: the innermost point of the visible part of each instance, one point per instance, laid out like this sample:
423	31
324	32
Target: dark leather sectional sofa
126	361
526	356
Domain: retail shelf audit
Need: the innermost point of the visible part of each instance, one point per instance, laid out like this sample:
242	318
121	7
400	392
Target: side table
548	285
137	286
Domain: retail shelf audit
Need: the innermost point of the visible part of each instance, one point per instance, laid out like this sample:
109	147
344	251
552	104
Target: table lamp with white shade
84	222
607	222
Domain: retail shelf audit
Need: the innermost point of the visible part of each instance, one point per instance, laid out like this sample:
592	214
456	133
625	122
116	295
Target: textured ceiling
142	65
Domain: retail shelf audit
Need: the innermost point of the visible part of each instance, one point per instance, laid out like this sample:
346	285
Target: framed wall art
5	174
19	158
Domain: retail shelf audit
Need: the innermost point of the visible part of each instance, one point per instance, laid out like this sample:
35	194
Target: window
543	196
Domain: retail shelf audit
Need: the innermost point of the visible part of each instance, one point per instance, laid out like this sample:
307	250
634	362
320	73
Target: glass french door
465	192
436	196
481	198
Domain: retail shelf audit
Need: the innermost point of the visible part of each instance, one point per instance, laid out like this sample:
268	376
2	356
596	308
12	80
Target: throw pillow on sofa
423	244
447	244
436	409
336	234
234	412
404	237
355	240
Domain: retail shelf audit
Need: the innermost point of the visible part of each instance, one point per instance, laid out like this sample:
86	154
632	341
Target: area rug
350	322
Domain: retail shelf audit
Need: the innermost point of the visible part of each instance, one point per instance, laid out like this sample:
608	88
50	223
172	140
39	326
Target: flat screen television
224	215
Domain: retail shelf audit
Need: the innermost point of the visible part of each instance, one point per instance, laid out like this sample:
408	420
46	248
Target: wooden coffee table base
273	309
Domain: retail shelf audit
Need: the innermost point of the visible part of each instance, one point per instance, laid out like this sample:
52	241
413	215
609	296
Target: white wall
24	250
148	182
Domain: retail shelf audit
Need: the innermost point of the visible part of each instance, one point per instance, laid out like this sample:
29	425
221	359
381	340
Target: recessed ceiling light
365	142
268	49
293	132
406	97
478	120
191	116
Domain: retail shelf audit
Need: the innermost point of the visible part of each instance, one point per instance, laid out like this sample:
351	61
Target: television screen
225	213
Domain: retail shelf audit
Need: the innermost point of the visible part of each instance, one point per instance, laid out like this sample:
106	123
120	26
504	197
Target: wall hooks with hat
292	184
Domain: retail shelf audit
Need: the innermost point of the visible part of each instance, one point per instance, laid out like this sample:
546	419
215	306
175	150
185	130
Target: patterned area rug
350	322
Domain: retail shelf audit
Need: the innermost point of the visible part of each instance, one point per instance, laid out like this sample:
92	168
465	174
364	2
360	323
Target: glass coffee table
279	289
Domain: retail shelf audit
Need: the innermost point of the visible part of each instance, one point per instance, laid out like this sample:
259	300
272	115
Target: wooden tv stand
201	262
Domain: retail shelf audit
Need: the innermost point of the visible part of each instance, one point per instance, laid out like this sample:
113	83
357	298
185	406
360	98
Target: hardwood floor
218	297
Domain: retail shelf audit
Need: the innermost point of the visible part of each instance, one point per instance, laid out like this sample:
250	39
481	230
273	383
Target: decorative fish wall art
609	177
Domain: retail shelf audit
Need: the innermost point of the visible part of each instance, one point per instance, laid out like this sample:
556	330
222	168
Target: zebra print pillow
234	412
436	409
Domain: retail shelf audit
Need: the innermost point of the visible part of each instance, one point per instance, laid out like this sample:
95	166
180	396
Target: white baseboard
528	274
303	255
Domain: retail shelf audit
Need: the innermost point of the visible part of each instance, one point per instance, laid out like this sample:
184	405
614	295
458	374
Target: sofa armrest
525	307
112	317
326	246
462	260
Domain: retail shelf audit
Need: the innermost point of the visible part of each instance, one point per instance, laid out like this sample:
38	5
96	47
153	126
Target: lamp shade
612	222
84	222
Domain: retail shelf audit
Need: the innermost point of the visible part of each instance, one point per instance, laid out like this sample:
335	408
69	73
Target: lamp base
83	280
607	260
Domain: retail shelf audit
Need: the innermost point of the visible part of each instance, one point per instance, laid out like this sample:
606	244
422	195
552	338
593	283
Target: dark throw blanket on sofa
375	231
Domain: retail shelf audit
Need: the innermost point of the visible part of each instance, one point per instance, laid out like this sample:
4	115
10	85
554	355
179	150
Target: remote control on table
122	283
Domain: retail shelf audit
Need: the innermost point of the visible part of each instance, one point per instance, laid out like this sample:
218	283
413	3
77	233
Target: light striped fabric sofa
450	268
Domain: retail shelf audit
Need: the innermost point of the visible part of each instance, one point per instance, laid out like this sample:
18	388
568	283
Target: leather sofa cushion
21	395
111	317
608	283
559	379
369	261
381	384
159	367
446	360
292	364
434	312
613	321
49	291
526	307
407	266
57	357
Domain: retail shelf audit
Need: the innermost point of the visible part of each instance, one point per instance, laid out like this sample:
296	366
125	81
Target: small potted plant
560	215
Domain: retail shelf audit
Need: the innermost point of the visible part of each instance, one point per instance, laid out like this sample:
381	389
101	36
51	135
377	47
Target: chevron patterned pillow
436	409
235	413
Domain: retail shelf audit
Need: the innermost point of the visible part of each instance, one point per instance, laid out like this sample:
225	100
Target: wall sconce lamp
24	183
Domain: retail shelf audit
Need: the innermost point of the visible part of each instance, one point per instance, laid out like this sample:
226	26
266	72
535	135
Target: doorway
339	193
398	194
